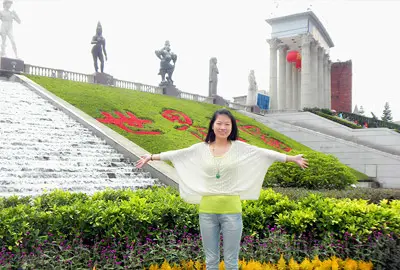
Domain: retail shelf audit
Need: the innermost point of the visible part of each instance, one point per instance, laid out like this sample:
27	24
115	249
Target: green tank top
220	204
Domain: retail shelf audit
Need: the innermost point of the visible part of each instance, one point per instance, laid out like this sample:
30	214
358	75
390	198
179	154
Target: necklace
217	165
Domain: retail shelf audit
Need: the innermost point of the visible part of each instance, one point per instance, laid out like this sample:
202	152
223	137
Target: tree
361	110
387	113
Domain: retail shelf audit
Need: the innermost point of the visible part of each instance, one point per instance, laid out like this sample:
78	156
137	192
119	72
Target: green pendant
218	176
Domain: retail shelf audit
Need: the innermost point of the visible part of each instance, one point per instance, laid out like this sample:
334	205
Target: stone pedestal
11	65
254	109
218	100
103	78
170	90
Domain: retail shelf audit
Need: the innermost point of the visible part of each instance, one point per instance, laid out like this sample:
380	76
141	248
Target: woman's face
222	126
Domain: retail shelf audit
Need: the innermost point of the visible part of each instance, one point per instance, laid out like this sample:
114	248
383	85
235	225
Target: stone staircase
42	149
379	165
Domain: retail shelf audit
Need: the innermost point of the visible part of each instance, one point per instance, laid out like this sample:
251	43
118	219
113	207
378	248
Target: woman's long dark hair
234	132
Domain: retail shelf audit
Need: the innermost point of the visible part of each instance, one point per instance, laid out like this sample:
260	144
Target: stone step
76	145
82	163
42	148
12	170
13	181
12	128
38	150
113	160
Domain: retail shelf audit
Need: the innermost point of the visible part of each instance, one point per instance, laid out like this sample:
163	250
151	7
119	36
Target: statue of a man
7	17
166	68
253	88
99	47
213	77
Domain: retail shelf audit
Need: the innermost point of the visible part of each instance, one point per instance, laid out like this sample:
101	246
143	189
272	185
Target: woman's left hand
299	160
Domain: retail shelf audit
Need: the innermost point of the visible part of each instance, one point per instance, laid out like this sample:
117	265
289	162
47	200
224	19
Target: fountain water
42	149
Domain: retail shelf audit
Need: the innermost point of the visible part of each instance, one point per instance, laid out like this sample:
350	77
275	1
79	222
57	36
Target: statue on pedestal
166	68
99	47
213	77
252	91
7	17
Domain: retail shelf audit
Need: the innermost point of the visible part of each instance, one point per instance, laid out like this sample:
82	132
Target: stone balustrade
89	78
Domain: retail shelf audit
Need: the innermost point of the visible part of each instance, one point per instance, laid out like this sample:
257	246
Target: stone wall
341	86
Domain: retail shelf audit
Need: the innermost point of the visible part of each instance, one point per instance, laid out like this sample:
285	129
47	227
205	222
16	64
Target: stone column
273	73
298	102
295	93
321	92
314	73
326	90
289	86
329	103
306	90
282	77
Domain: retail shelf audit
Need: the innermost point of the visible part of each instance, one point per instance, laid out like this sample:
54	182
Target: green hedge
372	195
372	122
326	173
325	113
132	214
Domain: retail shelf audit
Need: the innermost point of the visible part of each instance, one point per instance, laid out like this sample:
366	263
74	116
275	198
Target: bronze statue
7	17
99	47
166	68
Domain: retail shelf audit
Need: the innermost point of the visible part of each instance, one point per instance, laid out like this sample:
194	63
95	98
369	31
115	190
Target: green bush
326	172
372	195
135	214
326	111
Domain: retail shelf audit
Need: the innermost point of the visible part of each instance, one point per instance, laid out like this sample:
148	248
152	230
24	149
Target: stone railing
278	111
138	86
195	97
237	106
58	73
89	78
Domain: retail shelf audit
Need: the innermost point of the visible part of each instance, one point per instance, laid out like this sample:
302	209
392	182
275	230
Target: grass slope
94	99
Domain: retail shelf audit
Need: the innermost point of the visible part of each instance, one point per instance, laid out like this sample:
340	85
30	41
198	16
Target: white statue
213	77
7	17
253	89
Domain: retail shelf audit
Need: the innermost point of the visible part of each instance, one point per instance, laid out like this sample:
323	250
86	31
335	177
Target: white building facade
309	84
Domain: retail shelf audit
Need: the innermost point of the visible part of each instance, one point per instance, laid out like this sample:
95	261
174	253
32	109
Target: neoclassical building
300	76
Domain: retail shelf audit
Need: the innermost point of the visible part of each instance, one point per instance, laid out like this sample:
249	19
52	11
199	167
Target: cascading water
42	149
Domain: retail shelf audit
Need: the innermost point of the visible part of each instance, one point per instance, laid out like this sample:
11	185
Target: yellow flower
335	263
316	262
350	264
165	266
281	263
293	265
306	265
365	265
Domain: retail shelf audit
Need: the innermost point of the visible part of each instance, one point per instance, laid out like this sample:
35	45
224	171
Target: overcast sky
57	33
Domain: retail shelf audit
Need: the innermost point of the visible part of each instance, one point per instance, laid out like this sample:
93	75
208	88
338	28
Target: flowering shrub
156	221
333	263
280	251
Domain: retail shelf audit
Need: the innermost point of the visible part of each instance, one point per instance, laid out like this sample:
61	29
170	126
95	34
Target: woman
217	174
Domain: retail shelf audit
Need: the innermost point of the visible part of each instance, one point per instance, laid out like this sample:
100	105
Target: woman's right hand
143	160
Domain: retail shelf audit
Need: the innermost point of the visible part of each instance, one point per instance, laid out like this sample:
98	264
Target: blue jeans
231	226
